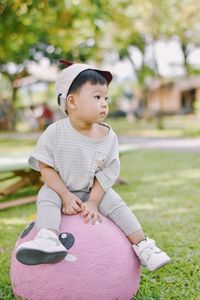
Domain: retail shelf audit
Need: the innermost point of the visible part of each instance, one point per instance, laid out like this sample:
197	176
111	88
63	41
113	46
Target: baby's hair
87	76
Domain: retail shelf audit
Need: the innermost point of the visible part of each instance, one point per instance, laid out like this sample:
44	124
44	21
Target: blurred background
152	48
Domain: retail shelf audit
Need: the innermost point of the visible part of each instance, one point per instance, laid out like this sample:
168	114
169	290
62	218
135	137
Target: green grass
163	192
167	126
12	222
12	146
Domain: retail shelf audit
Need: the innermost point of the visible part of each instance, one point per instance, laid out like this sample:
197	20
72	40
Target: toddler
78	158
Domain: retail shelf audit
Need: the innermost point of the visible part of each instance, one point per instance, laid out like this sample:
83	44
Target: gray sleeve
44	150
109	174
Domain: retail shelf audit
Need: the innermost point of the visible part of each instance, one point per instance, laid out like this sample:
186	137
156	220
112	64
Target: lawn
163	191
166	126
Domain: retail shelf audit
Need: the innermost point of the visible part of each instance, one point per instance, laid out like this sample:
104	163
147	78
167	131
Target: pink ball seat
100	264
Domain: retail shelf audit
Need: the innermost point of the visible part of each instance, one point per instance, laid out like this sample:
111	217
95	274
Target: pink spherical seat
100	264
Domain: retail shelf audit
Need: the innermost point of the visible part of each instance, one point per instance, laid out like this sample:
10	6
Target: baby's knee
47	196
111	202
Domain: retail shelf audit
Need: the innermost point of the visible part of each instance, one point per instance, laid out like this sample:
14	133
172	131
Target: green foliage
97	31
52	29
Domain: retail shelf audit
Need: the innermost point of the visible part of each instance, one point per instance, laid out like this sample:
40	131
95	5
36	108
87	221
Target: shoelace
44	235
153	247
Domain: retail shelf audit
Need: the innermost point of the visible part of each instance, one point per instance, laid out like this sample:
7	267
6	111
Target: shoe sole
161	265
37	257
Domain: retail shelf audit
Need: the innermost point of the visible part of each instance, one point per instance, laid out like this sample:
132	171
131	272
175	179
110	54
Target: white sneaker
45	248
150	255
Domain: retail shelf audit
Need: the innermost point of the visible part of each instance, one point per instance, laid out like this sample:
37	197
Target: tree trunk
12	108
185	56
11	113
155	61
132	64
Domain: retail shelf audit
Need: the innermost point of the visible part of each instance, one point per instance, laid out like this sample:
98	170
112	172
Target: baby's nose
104	102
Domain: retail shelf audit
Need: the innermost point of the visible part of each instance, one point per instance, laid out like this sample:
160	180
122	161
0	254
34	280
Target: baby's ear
71	102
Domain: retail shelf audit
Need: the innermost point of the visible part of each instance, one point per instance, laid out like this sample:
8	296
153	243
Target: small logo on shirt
100	164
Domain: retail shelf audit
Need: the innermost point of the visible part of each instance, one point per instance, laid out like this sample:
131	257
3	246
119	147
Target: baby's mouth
103	113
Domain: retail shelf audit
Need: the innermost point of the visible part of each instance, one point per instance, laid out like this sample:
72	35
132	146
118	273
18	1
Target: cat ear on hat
65	62
108	76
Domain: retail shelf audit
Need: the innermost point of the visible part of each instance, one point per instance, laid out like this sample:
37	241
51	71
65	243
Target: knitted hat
67	76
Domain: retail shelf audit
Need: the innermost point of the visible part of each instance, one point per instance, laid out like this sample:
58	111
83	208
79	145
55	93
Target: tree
185	26
30	30
141	24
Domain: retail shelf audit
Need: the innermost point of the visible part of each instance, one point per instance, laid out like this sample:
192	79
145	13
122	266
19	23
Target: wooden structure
18	167
173	97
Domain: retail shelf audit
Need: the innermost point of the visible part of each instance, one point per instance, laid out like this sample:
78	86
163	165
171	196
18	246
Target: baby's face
92	102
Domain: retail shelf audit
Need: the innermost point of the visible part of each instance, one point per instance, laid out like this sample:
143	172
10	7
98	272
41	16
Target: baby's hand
71	204
90	211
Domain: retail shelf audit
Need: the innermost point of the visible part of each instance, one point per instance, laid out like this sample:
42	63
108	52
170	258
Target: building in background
173	97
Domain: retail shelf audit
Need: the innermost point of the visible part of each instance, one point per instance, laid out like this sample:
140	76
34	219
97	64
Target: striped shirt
77	158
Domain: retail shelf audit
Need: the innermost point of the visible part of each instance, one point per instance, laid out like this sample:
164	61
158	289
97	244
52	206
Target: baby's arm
97	193
71	203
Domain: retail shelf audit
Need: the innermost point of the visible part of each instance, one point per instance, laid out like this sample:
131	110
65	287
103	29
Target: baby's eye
97	97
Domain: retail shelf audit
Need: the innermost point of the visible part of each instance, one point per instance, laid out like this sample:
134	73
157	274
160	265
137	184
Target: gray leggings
49	206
